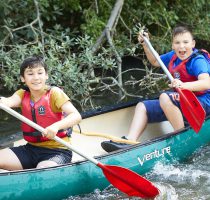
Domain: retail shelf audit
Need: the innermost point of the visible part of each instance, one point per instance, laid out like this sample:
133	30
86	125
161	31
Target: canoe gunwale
109	108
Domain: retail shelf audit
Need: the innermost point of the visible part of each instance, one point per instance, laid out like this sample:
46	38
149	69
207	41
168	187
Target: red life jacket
180	71
41	113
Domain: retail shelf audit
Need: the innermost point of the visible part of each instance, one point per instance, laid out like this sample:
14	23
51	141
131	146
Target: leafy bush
64	31
73	71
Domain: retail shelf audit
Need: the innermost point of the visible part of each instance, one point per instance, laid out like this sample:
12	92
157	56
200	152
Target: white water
181	181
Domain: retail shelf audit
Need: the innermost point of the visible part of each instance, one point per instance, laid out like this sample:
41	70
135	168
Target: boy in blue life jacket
190	69
45	106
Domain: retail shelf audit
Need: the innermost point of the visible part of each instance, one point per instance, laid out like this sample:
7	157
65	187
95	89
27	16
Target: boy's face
35	78
183	45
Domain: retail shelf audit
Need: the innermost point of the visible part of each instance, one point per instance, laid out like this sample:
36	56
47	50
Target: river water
180	181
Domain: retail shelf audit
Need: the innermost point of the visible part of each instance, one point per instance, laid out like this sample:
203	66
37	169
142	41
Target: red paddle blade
129	182
192	109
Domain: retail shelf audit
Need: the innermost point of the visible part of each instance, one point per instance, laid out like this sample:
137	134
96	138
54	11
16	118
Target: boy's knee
140	107
164	99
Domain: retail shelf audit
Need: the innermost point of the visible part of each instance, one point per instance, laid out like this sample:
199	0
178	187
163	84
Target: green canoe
158	144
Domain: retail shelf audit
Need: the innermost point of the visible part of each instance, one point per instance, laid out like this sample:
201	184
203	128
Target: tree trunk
108	33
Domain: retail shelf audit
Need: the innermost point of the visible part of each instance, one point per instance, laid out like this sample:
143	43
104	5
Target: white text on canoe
154	154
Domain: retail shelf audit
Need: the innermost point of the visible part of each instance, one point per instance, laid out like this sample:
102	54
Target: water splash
180	181
167	192
110	193
190	181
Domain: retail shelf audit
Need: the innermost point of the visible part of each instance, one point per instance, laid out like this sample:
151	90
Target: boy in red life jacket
45	106
190	70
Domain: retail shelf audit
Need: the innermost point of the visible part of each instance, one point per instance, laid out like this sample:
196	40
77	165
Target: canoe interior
114	123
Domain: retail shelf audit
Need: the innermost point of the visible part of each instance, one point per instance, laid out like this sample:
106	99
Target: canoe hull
84	177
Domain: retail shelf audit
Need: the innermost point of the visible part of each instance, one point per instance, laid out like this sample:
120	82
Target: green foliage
64	31
161	16
68	69
94	26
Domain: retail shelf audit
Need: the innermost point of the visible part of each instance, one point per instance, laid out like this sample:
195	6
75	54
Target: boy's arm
147	51
73	117
153	61
12	101
203	83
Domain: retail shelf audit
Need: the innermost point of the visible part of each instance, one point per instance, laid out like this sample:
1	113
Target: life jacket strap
37	133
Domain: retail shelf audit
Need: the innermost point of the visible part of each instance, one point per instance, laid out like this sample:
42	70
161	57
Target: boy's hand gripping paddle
124	179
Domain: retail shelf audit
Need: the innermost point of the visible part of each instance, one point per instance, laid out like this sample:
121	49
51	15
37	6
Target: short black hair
32	62
179	29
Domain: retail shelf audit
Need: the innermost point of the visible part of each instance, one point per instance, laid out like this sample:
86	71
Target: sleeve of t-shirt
167	57
20	93
58	98
199	65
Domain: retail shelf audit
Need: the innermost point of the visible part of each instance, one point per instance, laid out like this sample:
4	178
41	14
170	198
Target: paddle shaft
119	177
156	55
57	139
39	128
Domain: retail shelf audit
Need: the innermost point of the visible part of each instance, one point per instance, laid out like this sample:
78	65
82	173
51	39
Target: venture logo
154	154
